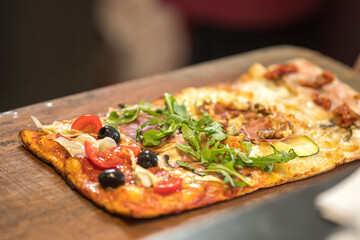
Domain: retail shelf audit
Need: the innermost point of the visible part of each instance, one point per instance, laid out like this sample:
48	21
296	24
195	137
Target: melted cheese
267	92
64	128
75	146
194	97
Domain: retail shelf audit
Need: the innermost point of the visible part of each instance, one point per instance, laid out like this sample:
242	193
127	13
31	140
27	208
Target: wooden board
35	202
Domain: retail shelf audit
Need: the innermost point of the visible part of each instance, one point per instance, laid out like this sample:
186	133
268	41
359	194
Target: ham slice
342	93
252	128
177	137
130	129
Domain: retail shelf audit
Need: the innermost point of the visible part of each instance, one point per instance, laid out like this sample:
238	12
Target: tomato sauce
93	172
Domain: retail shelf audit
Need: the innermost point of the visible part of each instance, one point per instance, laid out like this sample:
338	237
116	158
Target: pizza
273	125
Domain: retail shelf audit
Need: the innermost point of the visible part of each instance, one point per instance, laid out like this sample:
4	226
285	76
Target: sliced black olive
147	159
108	131
122	105
111	178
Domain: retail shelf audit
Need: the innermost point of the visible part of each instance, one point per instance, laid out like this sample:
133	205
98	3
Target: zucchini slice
302	145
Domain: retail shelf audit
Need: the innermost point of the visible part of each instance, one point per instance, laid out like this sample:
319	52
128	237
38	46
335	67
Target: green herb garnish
185	165
204	139
130	114
174	115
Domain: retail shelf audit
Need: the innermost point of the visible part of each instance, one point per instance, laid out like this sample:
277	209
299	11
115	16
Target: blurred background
51	49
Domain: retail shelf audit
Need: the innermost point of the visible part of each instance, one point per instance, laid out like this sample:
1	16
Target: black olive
147	159
122	105
108	131
111	178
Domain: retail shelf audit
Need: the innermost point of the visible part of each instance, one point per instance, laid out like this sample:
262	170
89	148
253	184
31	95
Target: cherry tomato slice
109	158
87	123
169	186
106	159
123	153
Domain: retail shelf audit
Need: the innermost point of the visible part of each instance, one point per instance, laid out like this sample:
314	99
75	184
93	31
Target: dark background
51	49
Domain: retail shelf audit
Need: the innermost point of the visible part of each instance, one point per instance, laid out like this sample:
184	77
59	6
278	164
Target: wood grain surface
35	202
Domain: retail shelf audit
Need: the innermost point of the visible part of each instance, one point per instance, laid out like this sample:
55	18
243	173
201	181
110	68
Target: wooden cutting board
35	202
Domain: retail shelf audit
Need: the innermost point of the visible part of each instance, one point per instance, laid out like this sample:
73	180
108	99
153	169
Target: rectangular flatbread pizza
273	125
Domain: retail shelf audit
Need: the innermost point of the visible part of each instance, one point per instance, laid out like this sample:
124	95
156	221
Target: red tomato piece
109	158
168	186
136	150
106	159
87	123
123	153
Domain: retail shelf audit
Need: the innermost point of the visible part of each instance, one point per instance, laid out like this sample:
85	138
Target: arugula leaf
176	116
187	149
169	102
190	137
152	137
227	177
175	119
205	120
181	111
228	168
267	162
186	165
150	109
213	129
211	153
128	115
216	132
138	131
248	147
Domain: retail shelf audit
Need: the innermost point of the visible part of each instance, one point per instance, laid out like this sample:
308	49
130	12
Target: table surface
35	202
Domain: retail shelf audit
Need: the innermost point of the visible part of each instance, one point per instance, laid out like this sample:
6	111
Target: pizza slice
204	145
